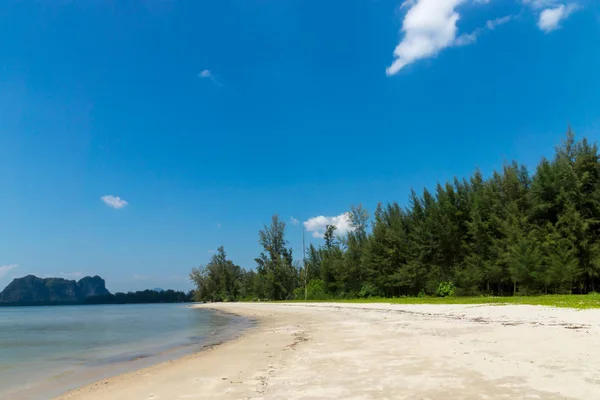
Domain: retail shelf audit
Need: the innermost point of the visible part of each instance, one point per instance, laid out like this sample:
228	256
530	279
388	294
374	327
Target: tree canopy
514	232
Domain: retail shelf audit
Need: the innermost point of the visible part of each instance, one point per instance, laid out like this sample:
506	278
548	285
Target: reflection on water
59	348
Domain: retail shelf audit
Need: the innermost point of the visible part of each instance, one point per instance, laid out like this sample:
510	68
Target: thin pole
305	266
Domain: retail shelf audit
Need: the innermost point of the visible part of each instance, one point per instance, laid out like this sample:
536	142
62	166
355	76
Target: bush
369	290
315	291
445	289
299	293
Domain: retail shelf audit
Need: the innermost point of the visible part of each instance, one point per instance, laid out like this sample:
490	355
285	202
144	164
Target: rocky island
31	290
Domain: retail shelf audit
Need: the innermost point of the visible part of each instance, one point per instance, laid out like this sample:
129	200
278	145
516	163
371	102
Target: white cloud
429	26
294	221
467	38
470	38
114	201
494	23
550	17
5	269
206	74
537	4
551	12
71	275
317	225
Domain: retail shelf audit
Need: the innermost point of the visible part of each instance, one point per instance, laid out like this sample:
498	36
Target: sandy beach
382	351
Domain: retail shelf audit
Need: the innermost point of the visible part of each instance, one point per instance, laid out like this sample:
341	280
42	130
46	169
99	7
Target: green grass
568	301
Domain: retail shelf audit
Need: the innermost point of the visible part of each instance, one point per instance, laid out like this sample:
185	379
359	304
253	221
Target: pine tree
507	233
275	264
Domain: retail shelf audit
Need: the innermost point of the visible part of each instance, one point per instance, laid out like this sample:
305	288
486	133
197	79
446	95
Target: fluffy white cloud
550	17
551	12
429	26
114	201
5	269
493	23
318	225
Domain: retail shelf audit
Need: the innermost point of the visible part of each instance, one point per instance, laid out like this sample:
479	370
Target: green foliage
220	279
445	289
512	232
315	291
275	267
142	297
369	290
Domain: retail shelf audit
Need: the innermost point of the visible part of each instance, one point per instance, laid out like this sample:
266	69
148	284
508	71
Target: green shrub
445	289
315	291
368	290
299	293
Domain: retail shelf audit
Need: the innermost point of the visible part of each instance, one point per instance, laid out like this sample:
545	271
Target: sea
47	351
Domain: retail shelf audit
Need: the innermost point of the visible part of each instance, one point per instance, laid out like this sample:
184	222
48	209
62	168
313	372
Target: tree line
139	297
143	297
510	233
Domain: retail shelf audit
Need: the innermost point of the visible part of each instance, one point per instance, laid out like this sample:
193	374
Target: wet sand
382	351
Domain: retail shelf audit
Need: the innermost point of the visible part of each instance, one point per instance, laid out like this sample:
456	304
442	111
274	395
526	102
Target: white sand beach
382	351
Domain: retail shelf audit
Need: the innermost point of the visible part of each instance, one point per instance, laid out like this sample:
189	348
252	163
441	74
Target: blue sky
201	119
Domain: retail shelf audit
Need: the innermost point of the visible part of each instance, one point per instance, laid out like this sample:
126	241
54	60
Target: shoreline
375	351
97	389
48	381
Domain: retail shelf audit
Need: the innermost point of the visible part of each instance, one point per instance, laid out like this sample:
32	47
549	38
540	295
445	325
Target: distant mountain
33	290
157	289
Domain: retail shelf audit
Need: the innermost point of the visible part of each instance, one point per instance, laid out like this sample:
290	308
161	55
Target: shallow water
45	351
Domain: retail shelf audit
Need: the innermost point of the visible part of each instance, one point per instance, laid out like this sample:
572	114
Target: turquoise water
45	351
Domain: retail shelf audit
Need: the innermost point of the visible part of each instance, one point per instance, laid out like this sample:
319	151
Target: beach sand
382	351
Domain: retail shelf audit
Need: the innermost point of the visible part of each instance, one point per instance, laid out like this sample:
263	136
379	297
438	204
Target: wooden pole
305	266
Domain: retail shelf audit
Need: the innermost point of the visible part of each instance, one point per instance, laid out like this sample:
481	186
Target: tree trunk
571	289
514	288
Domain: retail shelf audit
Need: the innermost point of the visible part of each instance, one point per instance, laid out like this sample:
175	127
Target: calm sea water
45	351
